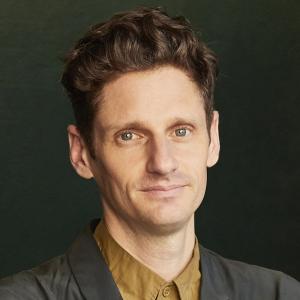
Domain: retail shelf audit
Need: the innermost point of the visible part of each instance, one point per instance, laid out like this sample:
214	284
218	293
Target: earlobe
78	153
214	146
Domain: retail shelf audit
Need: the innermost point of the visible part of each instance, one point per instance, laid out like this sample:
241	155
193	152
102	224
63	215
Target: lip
159	191
161	188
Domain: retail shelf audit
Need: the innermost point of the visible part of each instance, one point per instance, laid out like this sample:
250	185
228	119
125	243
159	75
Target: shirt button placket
166	291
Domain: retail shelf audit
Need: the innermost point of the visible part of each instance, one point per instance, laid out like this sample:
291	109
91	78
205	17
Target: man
141	86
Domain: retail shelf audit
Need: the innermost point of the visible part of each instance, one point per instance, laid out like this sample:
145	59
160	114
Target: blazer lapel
212	281
89	268
95	280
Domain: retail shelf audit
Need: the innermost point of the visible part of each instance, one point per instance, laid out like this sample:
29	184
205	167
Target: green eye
126	136
181	132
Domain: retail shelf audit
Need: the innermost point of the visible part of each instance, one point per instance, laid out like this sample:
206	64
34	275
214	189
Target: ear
79	153
214	146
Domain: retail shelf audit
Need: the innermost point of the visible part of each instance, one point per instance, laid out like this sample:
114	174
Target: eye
182	131
127	136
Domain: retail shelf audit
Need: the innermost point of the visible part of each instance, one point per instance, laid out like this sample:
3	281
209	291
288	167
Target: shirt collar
137	280
89	269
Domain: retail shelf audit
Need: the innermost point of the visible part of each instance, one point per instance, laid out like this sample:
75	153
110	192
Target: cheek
198	172
117	168
194	165
193	155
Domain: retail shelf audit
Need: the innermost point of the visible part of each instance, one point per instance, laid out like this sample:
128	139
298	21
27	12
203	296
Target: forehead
153	96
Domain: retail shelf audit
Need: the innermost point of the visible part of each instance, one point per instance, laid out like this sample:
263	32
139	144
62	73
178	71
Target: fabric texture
135	281
81	273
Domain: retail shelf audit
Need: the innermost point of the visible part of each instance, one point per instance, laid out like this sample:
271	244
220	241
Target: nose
161	160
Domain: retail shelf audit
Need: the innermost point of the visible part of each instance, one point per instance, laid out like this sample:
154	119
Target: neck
166	255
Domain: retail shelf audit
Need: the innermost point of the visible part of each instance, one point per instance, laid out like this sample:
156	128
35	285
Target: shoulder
46	281
243	279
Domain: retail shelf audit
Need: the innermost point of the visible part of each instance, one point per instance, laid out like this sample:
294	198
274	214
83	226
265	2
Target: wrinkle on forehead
157	95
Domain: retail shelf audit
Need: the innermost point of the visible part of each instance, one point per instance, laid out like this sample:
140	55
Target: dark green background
251	209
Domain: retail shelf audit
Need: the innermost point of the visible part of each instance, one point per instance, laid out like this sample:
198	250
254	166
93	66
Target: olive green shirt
136	281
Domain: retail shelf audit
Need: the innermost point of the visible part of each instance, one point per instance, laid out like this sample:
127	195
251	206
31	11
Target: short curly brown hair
136	40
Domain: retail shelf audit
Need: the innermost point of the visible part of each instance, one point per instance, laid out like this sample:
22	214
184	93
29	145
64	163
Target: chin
167	215
168	224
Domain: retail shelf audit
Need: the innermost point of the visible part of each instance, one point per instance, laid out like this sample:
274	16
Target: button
166	291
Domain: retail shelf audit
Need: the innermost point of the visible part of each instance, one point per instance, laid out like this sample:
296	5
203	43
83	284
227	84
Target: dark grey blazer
81	273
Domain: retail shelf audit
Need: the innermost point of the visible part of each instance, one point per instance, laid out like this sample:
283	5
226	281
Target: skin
152	153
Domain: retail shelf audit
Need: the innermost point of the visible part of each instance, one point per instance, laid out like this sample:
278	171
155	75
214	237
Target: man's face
153	149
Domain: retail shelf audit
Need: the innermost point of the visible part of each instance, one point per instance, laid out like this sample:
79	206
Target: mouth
163	191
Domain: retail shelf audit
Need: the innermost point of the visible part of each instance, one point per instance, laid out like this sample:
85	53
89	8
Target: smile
164	191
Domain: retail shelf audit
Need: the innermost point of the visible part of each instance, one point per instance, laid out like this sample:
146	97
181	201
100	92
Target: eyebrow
141	125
